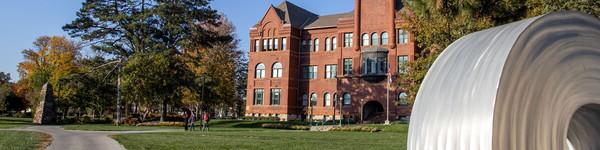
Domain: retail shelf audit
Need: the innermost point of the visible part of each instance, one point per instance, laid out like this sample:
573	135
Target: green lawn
17	140
263	139
215	123
8	122
234	134
110	127
240	134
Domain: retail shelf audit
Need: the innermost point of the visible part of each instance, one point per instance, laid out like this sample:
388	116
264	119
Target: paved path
81	140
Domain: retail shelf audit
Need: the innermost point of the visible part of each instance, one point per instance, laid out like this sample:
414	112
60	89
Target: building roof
296	16
328	20
301	18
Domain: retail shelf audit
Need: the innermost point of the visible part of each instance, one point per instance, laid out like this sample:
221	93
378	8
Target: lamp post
341	103
387	109
334	104
310	105
361	110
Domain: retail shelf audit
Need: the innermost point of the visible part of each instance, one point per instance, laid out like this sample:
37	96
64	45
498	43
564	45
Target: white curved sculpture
528	85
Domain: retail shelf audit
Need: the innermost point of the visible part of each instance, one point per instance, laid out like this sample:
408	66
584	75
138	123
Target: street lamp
310	105
361	110
341	106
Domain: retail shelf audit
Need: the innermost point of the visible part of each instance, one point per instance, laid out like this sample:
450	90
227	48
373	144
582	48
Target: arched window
365	40
374	39
403	98
334	45
304	100
260	71
384	38
402	37
277	70
347	98
327	44
313	99
310	45
327	98
316	45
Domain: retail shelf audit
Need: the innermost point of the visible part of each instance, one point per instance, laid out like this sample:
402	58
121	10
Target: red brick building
302	64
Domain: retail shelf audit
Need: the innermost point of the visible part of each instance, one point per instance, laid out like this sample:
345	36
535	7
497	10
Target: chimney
356	38
392	28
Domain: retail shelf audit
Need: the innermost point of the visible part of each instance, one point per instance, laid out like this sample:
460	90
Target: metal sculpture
528	85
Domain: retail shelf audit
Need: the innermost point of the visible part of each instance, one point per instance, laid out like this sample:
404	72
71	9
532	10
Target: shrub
130	121
165	123
356	129
261	118
284	126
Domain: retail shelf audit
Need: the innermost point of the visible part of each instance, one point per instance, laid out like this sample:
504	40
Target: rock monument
45	112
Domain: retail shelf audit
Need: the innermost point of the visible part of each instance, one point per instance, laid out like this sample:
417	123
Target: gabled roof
328	20
296	16
301	18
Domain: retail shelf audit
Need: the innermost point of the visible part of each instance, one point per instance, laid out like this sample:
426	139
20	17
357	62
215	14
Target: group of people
190	120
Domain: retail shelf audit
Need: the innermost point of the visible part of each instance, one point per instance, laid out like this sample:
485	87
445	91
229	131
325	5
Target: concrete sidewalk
82	140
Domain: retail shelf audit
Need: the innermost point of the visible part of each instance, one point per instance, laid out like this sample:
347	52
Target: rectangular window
347	66
276	44
309	72
275	96
258	96
265	44
348	39
283	43
256	45
402	36
402	61
270	44
330	71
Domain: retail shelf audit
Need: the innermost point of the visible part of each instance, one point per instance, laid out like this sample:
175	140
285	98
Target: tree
5	89
219	71
436	24
52	58
139	29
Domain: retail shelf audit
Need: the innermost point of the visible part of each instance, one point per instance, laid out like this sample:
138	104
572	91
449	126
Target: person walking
186	117
192	120
205	119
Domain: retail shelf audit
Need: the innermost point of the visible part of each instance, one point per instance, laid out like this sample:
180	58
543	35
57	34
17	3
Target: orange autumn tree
214	71
50	59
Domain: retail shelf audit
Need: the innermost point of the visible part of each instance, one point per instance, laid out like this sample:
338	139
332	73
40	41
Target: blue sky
25	20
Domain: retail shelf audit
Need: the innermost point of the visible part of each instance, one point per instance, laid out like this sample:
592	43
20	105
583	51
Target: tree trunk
163	114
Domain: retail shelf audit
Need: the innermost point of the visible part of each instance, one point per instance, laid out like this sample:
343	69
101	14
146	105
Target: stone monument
45	112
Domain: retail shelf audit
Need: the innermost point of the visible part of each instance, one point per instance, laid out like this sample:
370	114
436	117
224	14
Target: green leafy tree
135	30
5	89
436	24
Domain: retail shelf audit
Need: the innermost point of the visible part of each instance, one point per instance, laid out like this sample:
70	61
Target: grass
214	123
9	122
242	134
110	127
263	139
17	140
226	135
